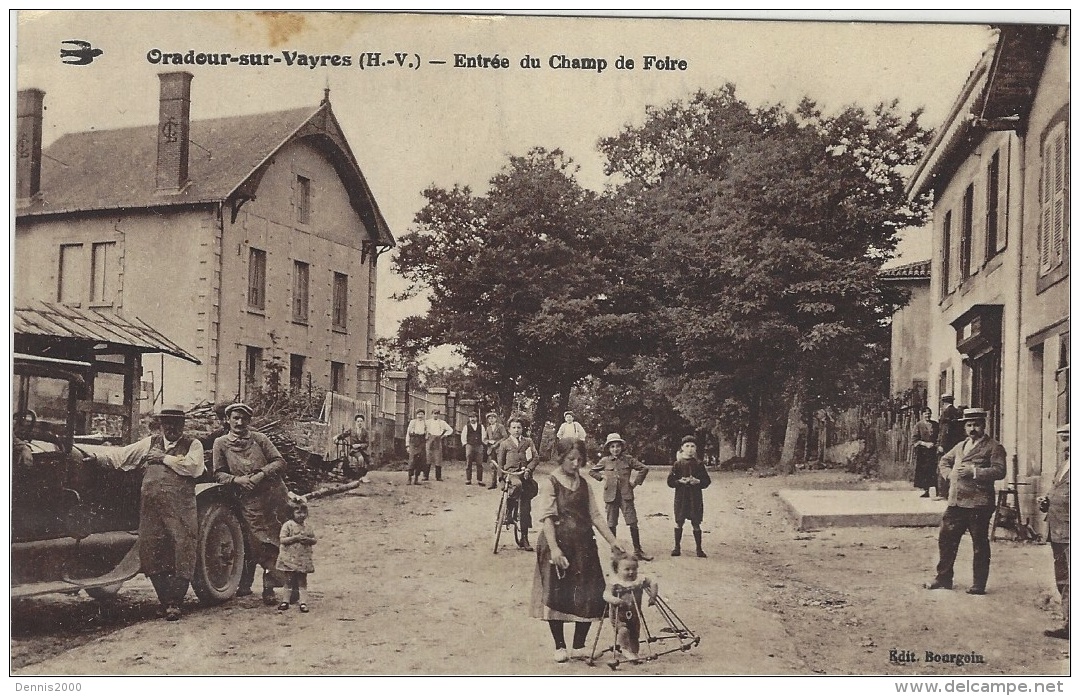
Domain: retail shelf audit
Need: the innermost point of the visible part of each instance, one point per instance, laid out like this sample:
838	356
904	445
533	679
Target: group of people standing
245	461
568	583
930	440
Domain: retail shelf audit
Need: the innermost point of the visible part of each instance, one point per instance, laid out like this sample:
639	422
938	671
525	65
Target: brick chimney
28	143
174	123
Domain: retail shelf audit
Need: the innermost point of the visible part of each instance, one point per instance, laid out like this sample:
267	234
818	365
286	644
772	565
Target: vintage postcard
407	344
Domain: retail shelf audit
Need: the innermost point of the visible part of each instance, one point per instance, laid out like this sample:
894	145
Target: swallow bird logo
83	54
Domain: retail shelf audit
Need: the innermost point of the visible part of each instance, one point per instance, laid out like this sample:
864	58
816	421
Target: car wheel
220	560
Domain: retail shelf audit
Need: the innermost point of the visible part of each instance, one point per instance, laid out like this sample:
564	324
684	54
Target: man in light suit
1056	504
971	468
514	453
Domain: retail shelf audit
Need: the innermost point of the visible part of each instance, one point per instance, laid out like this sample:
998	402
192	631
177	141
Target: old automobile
74	524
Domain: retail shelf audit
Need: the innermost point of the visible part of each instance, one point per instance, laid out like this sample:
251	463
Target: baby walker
673	629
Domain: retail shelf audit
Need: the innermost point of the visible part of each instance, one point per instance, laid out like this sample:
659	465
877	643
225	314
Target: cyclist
517	452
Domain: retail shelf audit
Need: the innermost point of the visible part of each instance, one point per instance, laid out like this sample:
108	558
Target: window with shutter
1053	227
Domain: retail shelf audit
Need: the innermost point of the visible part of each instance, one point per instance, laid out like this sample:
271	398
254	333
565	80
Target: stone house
998	171
241	239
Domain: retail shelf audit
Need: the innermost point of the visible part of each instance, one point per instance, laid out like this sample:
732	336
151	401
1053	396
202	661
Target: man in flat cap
971	467
168	521
251	464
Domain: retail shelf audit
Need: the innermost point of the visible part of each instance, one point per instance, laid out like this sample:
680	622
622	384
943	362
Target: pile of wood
305	471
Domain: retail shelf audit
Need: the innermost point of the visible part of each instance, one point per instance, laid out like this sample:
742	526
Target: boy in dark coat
688	477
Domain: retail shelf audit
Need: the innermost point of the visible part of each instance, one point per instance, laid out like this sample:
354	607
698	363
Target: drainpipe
1022	147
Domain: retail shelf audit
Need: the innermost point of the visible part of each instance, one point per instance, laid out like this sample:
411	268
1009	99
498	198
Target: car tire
220	560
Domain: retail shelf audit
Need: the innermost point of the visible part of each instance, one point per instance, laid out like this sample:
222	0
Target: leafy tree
766	230
507	276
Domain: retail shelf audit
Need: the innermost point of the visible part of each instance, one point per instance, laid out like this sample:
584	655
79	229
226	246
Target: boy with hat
688	476
621	474
168	520
971	467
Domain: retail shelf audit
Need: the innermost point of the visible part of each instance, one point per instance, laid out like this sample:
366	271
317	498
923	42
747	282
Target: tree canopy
731	272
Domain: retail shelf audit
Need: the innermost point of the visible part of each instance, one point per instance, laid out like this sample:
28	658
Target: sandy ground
406	584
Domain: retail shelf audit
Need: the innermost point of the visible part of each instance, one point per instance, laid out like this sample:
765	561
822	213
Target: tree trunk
753	430
788	455
540	418
564	402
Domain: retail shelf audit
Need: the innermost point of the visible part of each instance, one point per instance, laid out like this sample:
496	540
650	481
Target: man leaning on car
168	520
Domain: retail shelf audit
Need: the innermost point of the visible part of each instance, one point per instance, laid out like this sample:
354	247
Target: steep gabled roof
916	270
115	169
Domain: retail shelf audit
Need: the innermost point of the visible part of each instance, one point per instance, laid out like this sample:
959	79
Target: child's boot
677	551
697	541
438	473
636	538
525	540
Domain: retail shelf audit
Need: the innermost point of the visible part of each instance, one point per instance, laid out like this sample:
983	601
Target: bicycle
503	517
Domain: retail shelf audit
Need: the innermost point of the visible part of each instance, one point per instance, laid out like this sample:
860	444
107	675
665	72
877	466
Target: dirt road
406	583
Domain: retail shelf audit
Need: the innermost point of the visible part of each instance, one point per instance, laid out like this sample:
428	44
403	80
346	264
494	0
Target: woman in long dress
569	581
924	452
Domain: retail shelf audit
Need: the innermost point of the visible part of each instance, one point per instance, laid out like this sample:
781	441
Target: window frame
994	207
339	302
108	293
946	253
256	295
303	199
337	377
301	297
1054	180
75	266
967	233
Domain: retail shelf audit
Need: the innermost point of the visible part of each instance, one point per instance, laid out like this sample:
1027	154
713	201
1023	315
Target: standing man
1056	504
495	433
168	522
621	474
950	432
571	429
437	431
971	467
250	464
473	436
514	453
416	443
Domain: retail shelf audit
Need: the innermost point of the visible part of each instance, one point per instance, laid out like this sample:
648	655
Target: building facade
998	173
250	241
909	328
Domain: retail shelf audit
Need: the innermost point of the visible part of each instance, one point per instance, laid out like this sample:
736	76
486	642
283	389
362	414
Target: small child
624	592
294	555
688	477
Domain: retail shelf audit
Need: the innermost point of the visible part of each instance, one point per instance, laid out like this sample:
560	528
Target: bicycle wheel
499	519
516	517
